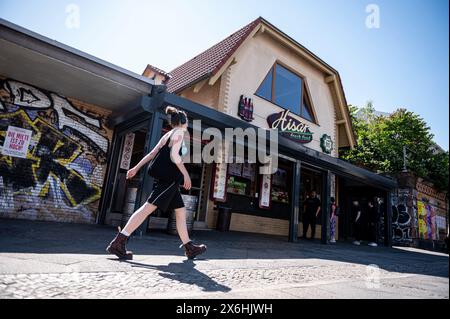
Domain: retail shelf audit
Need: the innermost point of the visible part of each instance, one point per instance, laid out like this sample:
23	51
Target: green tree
438	170
380	142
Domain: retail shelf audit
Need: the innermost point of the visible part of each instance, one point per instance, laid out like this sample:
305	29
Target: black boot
191	250
117	247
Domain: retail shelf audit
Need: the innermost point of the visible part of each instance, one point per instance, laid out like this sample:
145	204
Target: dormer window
287	90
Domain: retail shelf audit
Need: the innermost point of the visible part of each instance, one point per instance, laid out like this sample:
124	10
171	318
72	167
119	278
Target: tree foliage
380	142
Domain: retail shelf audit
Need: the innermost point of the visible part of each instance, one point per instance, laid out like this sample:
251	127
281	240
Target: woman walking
166	195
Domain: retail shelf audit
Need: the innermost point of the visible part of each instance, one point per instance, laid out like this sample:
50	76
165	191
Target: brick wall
62	175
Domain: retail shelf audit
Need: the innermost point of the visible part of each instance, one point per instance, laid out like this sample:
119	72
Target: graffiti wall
61	176
432	210
404	212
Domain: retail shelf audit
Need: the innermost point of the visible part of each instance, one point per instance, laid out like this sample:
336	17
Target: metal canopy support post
326	207
295	203
388	220
153	105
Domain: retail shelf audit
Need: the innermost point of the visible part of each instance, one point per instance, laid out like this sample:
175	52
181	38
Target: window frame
304	90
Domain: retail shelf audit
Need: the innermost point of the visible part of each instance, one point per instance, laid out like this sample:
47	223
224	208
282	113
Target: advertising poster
16	142
220	182
127	151
266	190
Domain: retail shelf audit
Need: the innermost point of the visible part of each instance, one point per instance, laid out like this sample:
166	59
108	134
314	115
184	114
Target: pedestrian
357	222
373	222
334	214
311	209
168	166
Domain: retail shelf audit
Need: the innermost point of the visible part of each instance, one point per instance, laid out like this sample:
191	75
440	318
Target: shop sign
326	143
127	151
245	109
290	127
16	143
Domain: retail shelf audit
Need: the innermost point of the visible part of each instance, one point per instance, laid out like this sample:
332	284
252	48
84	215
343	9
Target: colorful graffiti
427	220
403	219
61	177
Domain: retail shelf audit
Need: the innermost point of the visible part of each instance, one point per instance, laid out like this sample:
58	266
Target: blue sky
403	63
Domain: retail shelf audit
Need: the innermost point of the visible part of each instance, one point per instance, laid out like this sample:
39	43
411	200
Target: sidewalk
54	260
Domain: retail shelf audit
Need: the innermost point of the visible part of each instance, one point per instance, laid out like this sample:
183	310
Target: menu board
266	186
235	169
248	171
220	182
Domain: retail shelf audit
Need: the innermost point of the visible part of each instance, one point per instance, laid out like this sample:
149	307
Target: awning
161	98
34	59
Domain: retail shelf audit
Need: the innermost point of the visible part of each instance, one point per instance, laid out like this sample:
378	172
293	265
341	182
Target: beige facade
254	60
242	75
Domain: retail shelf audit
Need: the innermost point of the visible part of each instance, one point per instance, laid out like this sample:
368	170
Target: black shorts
166	196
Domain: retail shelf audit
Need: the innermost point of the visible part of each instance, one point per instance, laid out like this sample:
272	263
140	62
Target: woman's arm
133	171
177	139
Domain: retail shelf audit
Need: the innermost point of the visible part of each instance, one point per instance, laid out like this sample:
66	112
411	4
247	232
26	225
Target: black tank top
170	172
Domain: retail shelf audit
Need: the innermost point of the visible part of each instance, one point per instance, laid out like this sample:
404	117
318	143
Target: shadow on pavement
35	237
184	272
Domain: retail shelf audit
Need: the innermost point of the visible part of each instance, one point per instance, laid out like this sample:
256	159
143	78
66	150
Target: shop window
265	89
242	179
280	191
287	90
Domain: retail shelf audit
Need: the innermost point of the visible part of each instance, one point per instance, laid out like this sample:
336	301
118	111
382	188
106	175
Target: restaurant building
84	122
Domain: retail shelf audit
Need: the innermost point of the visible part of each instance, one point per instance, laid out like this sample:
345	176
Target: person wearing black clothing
357	222
166	195
373	222
311	209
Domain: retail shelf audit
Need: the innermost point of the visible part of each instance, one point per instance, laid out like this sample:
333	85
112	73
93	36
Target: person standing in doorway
334	213
373	222
357	222
166	195
311	209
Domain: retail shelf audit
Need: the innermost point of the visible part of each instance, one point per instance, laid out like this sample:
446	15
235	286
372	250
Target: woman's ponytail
176	117
171	110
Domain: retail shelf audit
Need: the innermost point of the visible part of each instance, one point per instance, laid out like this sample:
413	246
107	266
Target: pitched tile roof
157	70
208	62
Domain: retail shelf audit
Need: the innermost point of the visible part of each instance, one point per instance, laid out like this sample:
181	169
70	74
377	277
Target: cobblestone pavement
48	260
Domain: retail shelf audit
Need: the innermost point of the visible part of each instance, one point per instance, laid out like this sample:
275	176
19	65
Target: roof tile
208	62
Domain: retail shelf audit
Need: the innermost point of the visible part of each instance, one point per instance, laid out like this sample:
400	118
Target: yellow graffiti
36	160
422	214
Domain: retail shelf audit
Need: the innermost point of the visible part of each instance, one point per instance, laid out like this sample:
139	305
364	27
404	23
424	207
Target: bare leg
180	214
139	216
